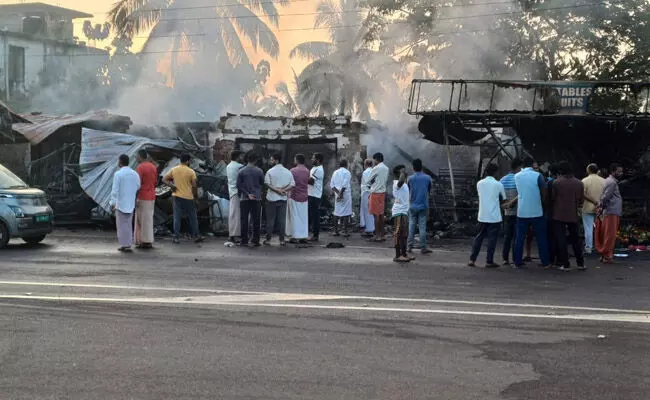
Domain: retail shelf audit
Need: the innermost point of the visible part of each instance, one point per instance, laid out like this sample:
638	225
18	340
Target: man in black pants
279	182
491	196
315	190
567	197
250	180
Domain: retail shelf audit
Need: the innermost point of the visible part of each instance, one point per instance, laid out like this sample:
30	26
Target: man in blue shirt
531	189
419	187
510	220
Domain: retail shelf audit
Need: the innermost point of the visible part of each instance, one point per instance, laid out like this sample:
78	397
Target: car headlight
18	212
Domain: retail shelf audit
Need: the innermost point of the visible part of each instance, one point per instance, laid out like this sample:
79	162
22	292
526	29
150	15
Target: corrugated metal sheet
7	118
16	117
43	126
100	152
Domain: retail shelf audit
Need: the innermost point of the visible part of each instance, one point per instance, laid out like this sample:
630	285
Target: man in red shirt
146	201
297	206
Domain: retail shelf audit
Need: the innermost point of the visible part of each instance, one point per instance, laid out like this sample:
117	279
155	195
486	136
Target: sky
280	68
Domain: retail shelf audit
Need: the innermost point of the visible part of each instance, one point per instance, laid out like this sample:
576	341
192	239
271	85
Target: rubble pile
100	151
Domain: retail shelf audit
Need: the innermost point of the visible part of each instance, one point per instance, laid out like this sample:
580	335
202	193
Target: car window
10	181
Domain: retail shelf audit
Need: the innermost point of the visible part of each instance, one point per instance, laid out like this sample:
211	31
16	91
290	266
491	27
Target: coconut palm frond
287	98
319	67
254	28
344	75
267	8
312	50
329	14
131	17
232	43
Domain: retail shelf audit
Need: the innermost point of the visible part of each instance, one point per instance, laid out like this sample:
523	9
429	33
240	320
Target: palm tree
345	74
283	102
207	30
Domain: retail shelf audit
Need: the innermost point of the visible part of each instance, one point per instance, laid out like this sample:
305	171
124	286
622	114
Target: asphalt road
81	321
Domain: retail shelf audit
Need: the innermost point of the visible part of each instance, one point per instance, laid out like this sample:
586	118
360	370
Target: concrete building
36	38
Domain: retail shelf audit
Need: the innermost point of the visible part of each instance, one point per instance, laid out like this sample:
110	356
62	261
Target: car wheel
4	235
34	239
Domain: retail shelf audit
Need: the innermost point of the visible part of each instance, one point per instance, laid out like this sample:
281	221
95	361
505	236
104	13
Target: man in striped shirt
510	218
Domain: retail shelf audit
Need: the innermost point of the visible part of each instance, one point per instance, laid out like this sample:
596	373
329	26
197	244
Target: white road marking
332	296
123	287
270	297
213	300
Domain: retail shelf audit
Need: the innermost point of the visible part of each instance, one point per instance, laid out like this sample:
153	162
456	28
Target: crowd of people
528	205
291	199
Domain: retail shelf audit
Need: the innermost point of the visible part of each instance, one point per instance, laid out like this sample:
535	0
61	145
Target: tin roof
42	126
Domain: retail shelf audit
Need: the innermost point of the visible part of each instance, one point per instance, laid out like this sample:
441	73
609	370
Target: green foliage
549	40
97	32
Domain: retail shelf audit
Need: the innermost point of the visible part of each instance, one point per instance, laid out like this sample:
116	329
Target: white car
24	212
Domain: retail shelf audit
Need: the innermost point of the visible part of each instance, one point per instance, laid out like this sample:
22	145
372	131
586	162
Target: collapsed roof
38	127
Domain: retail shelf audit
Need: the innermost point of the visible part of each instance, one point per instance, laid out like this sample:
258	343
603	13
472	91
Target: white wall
39	52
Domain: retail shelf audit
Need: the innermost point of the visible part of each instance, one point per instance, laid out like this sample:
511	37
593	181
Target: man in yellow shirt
593	185
182	180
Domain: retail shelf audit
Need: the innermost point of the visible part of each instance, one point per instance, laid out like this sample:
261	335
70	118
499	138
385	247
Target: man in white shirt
491	195
400	213
377	201
234	210
279	182
315	192
126	183
340	184
366	220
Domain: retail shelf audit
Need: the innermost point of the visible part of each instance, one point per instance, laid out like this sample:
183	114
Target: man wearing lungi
377	202
366	220
234	208
297	205
126	184
144	206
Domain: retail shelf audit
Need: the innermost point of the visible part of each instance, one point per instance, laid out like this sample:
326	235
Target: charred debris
74	157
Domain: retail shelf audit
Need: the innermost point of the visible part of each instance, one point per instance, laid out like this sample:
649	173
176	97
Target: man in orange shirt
146	201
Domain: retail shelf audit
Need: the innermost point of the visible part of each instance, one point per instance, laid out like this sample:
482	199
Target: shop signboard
574	97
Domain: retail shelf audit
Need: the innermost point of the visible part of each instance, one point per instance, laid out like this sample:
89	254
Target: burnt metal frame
416	86
491	118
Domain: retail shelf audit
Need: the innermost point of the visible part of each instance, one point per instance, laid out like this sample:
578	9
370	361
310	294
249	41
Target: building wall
34	59
13	22
40	53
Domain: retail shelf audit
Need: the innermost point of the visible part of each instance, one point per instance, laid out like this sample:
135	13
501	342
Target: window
10	181
16	68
